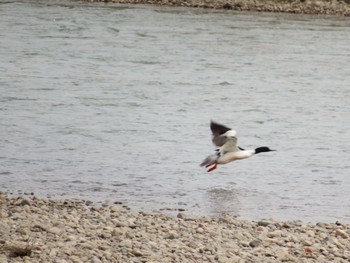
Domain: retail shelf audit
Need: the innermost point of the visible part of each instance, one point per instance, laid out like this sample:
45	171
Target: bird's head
263	149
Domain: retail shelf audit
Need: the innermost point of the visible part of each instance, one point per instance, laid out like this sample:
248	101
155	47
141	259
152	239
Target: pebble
276	233
115	208
95	259
24	202
307	243
69	231
171	235
117	232
137	253
126	243
71	238
54	230
254	243
121	224
263	223
180	215
341	233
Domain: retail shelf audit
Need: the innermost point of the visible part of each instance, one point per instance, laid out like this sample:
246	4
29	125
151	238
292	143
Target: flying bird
227	150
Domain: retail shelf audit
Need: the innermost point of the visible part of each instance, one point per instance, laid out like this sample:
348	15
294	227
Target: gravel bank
40	230
324	7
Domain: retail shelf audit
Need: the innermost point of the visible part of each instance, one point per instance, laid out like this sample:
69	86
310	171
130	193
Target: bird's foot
214	167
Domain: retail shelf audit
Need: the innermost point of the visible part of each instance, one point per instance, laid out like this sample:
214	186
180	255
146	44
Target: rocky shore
45	230
324	7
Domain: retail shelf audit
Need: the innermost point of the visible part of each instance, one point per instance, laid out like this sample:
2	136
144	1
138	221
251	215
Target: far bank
315	7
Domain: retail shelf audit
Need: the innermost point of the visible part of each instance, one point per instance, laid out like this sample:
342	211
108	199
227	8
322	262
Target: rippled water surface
111	102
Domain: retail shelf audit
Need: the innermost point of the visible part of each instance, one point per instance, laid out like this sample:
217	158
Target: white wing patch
230	133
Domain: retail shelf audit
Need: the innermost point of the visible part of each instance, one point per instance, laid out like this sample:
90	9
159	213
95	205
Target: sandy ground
325	7
45	230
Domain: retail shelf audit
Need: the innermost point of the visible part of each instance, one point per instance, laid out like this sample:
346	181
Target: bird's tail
211	159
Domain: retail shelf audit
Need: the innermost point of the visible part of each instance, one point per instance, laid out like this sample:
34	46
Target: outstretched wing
229	146
221	134
218	129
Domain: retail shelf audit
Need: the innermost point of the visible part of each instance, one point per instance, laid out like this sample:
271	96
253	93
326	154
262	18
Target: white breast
233	156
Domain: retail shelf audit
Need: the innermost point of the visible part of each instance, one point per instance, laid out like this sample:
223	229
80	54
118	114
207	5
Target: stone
115	208
23	230
3	214
286	225
53	253
108	229
261	229
341	233
276	233
244	243
89	203
24	202
117	232
54	230
281	253
71	238
95	259
200	230
263	223
180	215
126	243
171	235
310	233
18	249
4	229
307	243
121	224
137	253
76	259
254	243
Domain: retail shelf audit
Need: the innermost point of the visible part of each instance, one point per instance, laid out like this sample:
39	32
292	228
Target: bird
227	149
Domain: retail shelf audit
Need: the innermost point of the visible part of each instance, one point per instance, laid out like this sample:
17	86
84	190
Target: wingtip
218	128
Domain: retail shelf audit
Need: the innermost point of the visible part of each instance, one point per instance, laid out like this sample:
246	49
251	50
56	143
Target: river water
113	103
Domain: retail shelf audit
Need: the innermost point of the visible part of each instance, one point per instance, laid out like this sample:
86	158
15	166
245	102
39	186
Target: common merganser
228	151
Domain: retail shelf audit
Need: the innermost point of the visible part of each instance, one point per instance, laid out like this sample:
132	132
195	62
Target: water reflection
224	201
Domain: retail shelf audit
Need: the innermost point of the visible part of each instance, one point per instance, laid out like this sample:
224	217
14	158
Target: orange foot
214	167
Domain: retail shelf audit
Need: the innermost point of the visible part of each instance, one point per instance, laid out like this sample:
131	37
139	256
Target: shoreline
312	7
74	230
